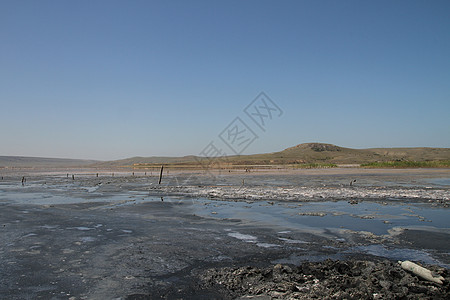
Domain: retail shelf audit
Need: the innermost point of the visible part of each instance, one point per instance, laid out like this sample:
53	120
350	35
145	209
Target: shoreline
274	171
116	237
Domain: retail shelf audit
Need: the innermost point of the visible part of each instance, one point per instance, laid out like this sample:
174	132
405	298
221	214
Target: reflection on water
365	216
439	181
399	254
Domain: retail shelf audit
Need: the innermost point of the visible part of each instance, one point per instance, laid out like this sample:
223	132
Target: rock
421	271
314	214
256	297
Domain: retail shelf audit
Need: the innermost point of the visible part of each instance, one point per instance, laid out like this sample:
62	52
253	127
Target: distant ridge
307	153
31	162
147	160
328	153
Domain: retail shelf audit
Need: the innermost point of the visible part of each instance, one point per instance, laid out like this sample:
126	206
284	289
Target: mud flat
282	236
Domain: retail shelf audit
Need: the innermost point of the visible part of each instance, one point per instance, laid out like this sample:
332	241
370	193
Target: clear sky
115	79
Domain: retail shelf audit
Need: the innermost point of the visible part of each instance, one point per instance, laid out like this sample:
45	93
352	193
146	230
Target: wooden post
160	174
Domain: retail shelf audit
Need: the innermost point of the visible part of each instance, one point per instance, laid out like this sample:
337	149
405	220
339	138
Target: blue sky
115	79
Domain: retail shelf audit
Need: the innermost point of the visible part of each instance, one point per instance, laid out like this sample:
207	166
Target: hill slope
302	154
309	153
29	162
156	160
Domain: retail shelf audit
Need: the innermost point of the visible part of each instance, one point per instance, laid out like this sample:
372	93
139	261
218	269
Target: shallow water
375	204
364	216
307	201
399	254
439	181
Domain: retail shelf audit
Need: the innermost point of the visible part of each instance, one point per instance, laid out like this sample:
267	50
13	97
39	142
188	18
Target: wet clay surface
90	239
98	251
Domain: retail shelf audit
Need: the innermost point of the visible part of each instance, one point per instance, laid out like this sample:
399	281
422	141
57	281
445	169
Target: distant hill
157	160
42	162
308	153
303	154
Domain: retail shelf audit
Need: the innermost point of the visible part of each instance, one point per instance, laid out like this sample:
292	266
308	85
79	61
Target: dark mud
330	279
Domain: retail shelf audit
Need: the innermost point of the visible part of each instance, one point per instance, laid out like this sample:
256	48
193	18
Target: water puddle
365	216
439	181
400	254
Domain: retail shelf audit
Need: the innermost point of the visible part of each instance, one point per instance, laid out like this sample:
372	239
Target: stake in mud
160	174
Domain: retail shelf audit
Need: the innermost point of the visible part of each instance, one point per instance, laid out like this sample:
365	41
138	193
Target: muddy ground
330	279
113	238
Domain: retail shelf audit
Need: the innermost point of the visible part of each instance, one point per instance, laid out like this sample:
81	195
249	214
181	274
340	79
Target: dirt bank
330	279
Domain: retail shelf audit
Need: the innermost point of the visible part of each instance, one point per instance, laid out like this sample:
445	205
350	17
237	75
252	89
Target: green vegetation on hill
316	166
309	155
408	164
